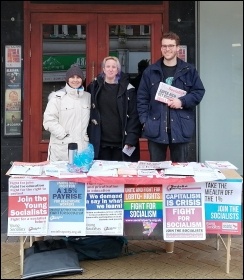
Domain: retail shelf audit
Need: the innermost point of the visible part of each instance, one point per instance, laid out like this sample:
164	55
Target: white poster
184	215
28	207
105	209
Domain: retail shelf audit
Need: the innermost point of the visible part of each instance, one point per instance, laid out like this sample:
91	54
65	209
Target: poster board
130	209
13	91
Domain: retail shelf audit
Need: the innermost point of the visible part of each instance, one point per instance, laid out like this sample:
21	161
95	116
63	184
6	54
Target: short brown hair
172	36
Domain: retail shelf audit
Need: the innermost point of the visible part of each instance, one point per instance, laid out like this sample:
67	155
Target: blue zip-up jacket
153	114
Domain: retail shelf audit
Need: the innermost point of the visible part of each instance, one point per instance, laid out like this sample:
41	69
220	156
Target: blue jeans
158	151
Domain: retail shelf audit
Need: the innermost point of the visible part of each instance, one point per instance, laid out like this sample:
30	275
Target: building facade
40	39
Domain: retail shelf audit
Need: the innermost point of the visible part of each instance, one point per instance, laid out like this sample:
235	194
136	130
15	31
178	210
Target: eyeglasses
164	47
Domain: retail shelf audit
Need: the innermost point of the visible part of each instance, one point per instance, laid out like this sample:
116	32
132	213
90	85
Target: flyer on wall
13	78
12	56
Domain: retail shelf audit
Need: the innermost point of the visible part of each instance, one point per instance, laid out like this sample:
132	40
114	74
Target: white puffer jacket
66	117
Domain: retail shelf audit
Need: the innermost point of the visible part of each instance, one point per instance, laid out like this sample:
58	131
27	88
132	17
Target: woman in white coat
67	115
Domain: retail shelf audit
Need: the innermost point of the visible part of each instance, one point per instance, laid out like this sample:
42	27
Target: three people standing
116	111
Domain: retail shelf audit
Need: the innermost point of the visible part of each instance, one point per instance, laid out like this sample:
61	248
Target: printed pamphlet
128	150
166	91
220	164
179	171
26	170
154	165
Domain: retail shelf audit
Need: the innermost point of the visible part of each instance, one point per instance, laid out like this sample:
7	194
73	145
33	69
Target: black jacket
127	107
136	81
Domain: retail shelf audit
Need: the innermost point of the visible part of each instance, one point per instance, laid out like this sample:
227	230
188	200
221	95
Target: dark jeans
110	153
178	152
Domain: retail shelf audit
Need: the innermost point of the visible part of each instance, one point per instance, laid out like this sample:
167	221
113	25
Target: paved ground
146	259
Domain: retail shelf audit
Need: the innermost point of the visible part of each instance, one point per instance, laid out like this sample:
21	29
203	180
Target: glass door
63	45
59	40
131	44
130	39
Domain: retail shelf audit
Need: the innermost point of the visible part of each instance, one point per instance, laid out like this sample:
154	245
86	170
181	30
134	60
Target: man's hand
174	103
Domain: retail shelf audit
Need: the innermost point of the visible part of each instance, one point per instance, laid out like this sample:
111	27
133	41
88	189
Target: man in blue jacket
170	124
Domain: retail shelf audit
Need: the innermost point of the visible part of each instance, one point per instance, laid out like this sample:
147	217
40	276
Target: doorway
57	41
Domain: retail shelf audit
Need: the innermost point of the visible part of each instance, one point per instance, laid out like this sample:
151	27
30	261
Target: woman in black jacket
114	123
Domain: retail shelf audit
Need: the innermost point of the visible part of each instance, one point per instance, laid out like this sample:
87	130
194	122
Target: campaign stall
165	207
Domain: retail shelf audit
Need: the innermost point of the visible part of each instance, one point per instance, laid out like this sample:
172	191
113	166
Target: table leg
227	247
169	246
228	254
21	241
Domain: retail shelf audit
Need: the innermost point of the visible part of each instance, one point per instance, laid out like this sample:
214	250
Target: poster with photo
13	100
13	78
13	123
13	92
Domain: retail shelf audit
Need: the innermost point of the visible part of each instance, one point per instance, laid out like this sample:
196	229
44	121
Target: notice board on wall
13	95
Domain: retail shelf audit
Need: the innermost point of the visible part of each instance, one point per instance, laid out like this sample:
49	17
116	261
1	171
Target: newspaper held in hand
166	91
